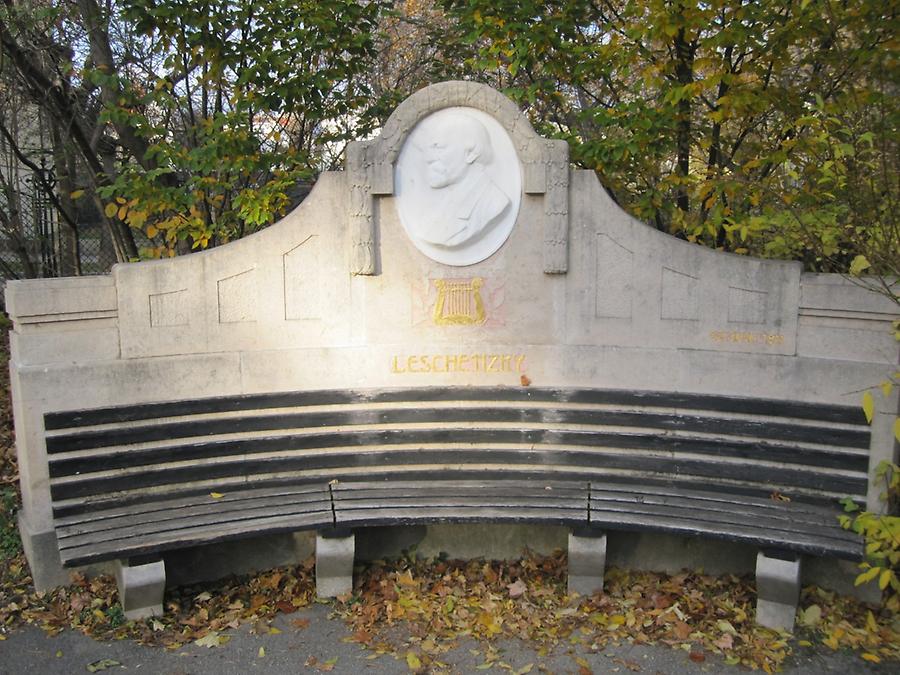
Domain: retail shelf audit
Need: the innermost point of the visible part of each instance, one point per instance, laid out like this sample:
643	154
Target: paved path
321	647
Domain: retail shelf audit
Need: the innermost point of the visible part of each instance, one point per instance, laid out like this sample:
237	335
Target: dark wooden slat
97	532
456	514
723	519
754	406
148	509
212	507
131	457
484	501
759	429
779	514
160	497
189	536
758	537
327	463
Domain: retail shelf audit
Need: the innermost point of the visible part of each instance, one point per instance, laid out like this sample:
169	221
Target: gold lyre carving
459	302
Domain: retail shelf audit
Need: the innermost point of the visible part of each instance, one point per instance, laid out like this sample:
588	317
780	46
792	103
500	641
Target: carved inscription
746	338
458	363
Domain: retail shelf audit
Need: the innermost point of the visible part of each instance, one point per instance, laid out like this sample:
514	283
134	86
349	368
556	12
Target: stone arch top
545	166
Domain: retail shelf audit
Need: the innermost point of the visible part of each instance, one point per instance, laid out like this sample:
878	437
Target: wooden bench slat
737	517
595	458
764	430
129	546
247	402
742	533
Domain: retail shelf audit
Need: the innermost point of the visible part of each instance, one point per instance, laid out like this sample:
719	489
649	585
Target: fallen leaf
682	630
517	588
697	657
212	639
810	616
725	642
262	652
216	495
300	624
412	660
102	664
874	658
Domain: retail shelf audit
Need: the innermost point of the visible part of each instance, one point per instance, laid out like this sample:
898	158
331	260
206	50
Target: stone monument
458	248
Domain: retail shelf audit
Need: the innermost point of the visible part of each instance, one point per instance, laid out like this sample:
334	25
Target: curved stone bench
131	482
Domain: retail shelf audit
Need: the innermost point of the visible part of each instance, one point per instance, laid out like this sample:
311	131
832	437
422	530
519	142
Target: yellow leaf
123	211
262	652
151	231
811	615
874	658
886	387
274	631
897	429
868	406
77	194
216	495
871	624
110	210
884	579
413	661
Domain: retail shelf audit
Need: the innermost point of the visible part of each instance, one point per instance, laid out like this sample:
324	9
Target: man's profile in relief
457	152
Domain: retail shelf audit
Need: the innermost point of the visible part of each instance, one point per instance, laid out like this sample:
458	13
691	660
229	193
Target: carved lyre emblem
459	302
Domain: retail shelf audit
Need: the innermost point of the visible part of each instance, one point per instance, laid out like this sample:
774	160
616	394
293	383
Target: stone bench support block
778	590
42	552
587	562
141	588
334	565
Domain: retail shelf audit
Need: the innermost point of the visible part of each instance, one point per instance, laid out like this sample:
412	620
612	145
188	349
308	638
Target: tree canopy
754	126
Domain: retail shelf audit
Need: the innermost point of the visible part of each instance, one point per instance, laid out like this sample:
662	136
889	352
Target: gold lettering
747	338
458	363
520	360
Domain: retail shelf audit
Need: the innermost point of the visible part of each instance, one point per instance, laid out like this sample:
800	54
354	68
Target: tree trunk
68	254
684	72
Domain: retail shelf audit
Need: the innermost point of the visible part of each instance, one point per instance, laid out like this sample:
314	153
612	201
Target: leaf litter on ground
418	610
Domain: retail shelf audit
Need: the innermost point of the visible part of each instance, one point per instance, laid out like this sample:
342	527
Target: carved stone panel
680	296
301	281
458	185
169	309
237	297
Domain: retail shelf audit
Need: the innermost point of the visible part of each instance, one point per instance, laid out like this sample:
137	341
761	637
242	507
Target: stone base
777	589
587	562
141	588
334	564
42	553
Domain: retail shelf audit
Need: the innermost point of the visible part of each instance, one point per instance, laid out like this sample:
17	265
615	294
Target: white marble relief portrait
458	186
